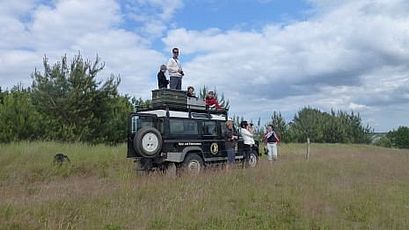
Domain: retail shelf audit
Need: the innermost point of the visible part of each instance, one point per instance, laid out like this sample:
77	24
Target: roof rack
178	100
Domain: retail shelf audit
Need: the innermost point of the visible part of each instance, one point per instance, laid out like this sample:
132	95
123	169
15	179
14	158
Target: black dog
60	158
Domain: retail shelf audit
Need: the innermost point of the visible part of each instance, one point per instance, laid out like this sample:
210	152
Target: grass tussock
339	187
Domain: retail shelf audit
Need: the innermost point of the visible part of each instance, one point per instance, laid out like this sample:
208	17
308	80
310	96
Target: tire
148	142
193	164
253	159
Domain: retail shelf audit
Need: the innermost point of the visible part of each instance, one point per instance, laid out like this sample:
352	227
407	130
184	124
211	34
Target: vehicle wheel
193	164
253	160
148	142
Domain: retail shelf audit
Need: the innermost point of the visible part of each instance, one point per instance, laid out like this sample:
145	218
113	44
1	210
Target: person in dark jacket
231	138
190	91
271	139
162	81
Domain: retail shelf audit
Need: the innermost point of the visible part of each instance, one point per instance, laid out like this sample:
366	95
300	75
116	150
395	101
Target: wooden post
307	155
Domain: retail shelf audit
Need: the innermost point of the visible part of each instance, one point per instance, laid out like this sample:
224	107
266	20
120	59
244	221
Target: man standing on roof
175	70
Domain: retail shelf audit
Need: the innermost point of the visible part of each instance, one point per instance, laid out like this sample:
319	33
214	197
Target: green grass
339	187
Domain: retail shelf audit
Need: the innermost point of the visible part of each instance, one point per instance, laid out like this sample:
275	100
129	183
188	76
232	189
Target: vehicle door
213	142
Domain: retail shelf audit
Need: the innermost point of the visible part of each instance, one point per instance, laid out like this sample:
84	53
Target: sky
263	55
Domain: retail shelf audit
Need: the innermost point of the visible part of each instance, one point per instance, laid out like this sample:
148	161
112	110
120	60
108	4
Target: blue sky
241	14
265	55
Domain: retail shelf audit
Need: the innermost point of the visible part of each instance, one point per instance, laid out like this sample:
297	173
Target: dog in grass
60	158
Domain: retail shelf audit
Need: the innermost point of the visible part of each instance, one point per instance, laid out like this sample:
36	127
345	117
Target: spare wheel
148	142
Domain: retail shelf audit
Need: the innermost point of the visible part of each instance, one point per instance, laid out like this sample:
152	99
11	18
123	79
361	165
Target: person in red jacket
211	101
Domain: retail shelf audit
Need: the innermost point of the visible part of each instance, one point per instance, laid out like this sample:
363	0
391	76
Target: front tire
253	160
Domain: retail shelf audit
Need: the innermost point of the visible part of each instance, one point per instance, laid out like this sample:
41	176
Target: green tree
75	104
140	103
2	95
112	125
331	127
19	119
307	124
354	131
399	138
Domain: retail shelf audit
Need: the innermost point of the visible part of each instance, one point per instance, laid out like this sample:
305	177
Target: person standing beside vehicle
175	70
271	139
248	141
231	138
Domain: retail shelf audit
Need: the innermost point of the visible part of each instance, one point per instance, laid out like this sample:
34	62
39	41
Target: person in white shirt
248	141
175	70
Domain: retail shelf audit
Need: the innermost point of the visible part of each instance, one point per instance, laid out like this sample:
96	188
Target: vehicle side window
209	128
179	126
223	128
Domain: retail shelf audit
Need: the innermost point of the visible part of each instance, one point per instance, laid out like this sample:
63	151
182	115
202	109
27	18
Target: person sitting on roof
162	81
211	101
190	91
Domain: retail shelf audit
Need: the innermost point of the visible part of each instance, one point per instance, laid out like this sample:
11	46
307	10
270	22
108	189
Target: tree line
66	102
322	127
334	127
398	138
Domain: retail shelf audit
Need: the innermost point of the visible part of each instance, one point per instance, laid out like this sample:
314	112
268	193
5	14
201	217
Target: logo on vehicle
214	148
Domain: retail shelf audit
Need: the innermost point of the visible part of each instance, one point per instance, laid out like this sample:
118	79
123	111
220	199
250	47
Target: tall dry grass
339	187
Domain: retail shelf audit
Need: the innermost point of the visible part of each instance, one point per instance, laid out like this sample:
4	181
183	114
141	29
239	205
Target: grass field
339	187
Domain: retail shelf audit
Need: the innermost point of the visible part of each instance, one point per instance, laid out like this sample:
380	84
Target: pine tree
75	105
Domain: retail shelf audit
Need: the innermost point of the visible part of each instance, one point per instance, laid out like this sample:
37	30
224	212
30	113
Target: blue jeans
231	155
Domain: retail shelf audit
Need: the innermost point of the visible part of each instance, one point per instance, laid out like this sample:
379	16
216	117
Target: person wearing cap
248	141
162	81
271	139
175	70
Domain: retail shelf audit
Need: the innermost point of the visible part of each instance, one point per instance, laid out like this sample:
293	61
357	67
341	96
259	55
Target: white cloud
352	55
91	27
153	16
56	26
349	55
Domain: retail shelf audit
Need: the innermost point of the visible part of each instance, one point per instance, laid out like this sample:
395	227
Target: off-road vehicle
182	131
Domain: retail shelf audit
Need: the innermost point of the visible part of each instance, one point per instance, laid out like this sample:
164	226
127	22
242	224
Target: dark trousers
176	83
246	154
